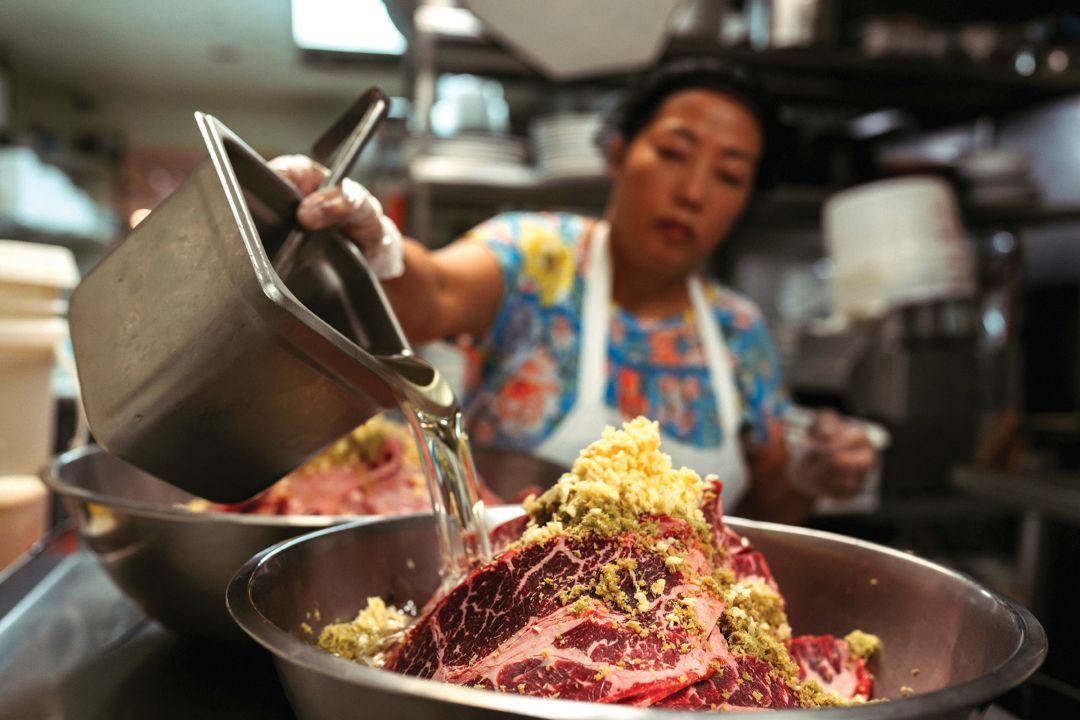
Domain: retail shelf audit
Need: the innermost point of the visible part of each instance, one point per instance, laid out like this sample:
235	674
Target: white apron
589	414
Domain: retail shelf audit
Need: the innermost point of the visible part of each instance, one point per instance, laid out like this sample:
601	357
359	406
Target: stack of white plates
455	171
475	158
565	146
483	148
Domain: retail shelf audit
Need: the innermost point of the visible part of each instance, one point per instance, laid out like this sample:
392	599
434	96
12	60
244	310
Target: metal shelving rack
451	39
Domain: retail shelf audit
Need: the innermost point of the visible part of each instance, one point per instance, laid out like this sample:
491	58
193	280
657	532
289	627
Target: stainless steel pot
956	643
172	562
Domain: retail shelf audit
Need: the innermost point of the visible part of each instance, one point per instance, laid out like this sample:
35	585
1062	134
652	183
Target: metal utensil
372	106
968	644
202	366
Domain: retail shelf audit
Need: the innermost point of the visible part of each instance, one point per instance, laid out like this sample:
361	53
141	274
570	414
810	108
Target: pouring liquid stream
443	444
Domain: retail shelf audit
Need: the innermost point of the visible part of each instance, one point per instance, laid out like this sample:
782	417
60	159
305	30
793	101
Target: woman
581	322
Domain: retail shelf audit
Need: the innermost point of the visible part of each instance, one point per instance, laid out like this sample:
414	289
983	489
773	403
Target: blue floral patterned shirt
523	376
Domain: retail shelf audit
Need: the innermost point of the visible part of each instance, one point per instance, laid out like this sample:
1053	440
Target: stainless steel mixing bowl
955	643
174	563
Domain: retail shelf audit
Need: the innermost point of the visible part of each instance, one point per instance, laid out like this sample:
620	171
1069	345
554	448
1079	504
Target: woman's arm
771	495
446	292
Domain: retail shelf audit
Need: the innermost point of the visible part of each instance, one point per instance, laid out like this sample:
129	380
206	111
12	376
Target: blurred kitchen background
916	249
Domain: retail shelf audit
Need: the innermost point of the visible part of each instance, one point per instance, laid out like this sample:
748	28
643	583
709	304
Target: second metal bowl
172	562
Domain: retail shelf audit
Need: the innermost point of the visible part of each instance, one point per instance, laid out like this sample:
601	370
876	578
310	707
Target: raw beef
388	482
749	683
375	470
508	628
513	626
829	661
624	585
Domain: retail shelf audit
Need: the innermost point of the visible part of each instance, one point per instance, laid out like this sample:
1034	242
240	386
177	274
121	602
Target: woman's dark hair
637	106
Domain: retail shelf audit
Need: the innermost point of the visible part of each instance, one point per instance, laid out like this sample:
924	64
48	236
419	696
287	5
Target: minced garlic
617	479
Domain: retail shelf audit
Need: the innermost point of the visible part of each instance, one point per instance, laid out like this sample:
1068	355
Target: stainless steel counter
1052	494
73	648
1047	543
1038	497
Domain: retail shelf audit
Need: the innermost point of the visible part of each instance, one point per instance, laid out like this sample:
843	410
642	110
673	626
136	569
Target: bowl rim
1022	662
52	477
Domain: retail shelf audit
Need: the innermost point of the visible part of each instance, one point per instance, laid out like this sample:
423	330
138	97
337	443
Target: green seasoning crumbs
755	623
608	584
861	644
811	695
364	638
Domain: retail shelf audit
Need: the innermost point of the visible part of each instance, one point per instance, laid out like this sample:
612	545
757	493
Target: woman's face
683	181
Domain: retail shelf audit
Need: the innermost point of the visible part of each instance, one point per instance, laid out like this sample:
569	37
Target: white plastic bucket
24	507
894	242
34	278
27	411
33	281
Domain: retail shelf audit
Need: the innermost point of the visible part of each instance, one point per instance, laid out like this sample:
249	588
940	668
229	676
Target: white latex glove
830	456
348	207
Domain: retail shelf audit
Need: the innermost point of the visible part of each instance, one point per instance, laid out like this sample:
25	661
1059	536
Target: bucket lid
42	333
37	264
17	490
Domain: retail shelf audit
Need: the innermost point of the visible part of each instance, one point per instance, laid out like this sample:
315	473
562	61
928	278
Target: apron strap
595	319
595	332
721	375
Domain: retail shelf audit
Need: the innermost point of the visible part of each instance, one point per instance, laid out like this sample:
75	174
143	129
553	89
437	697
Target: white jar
33	281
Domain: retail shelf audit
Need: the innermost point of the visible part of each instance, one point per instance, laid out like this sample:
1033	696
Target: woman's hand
348	207
835	459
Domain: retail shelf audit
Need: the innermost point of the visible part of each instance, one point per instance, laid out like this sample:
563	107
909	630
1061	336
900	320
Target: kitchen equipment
967	644
790	23
559	37
993	176
202	366
23	510
33	280
469	104
916	371
565	145
174	563
72	647
1046	135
